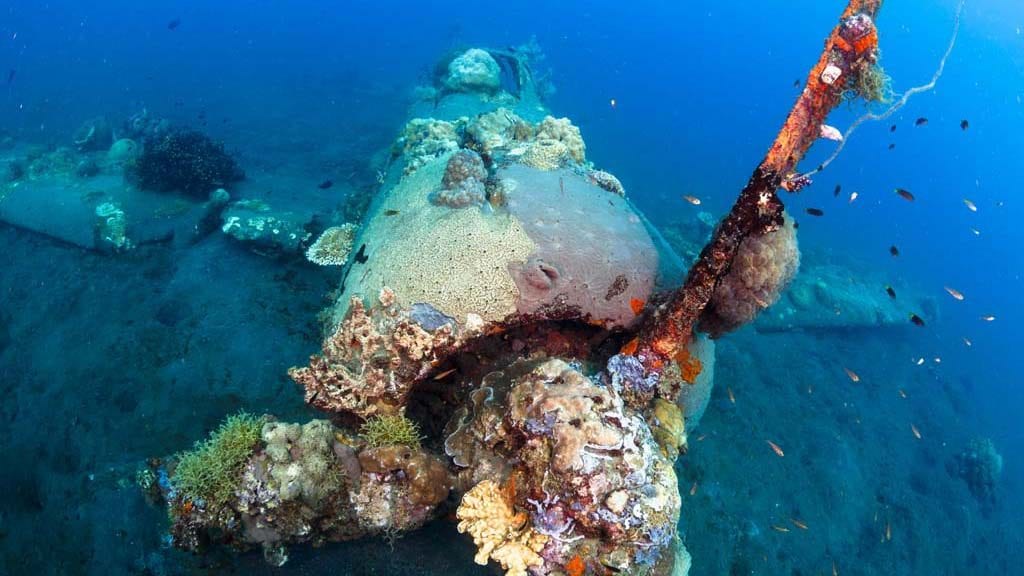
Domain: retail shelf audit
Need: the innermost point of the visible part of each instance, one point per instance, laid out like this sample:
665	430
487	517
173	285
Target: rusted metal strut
850	50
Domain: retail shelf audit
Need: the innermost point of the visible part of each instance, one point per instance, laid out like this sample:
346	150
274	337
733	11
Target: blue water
107	361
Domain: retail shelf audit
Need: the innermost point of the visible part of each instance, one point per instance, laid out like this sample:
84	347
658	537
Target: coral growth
545	155
499	532
424	139
390	430
209	473
463	182
473	71
763	266
333	246
185	161
563	131
980	466
370	360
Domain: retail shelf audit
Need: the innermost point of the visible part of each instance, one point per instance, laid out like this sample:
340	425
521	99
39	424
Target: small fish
775	448
612	103
732	397
888	531
692	200
780	528
917	433
853	196
11	74
976	231
970	205
954	293
919	361
894	250
837	190
444	374
892	128
636	305
905	194
173	24
325	184
835	571
892	146
796	225
964	124
851	375
967	341
693	489
920	121
796	83
701	437
937	360
890	292
361	256
391	212
916	320
830	133
902	393
815	212
988	318
798	523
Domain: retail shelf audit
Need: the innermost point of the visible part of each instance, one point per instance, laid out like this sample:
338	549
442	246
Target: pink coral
762	269
463	182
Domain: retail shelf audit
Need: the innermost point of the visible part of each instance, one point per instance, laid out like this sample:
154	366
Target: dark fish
964	124
892	128
11	74
837	190
894	250
361	256
892	146
905	194
815	212
890	291
325	184
173	24
916	320
391	212
796	83
920	121
796	225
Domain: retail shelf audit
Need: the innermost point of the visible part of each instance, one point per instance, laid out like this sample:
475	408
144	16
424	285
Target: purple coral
628	377
463	182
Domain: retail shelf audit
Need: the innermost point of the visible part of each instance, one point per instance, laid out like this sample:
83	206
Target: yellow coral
561	129
333	246
500	534
546	154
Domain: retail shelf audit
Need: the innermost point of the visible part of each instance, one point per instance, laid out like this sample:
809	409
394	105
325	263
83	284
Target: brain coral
593	256
763	267
473	71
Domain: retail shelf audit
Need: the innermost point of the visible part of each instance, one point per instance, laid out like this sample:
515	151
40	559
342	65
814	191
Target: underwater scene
536	288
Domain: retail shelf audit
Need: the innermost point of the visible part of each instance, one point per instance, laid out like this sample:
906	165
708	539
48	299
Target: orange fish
780	528
693	489
692	200
629	348
917	433
442	375
954	293
732	397
798	524
636	305
775	448
853	375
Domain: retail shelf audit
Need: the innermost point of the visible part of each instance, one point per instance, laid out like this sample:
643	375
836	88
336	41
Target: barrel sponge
761	270
694	397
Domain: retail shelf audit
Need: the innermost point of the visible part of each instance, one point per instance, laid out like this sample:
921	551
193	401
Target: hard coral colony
559	453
